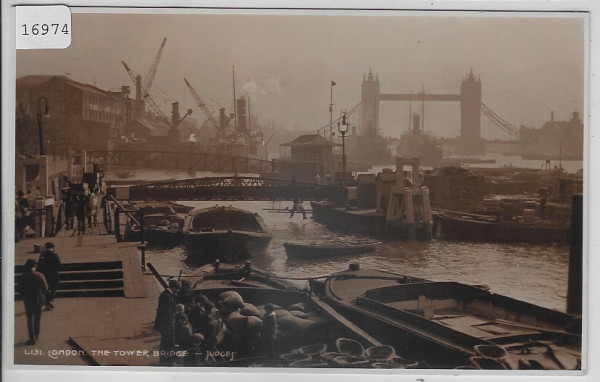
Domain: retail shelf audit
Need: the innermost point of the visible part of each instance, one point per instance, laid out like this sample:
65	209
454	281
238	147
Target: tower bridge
470	109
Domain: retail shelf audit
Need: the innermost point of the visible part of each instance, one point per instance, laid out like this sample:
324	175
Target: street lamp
39	120
331	111
343	129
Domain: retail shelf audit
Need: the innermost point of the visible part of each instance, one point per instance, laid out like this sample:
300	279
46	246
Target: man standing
33	288
165	323
49	266
269	330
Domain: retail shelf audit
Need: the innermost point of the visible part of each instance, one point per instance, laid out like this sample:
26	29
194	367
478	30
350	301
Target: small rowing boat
329	248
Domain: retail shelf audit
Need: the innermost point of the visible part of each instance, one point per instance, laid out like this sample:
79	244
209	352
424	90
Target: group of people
82	207
191	326
37	286
186	323
23	216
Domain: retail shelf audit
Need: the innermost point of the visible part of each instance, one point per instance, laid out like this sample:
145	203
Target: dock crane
144	86
204	109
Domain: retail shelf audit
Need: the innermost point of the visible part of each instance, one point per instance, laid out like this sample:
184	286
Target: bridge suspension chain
507	127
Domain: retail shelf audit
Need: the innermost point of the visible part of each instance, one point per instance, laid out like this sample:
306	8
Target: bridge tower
369	120
470	116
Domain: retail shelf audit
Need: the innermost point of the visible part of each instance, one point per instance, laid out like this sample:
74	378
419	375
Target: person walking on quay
269	330
92	208
33	288
49	265
69	210
165	323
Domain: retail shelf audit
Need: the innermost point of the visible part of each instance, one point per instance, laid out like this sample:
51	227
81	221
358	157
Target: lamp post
39	120
343	129
331	111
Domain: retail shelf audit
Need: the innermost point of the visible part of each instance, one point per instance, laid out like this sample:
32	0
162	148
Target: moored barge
225	233
453	325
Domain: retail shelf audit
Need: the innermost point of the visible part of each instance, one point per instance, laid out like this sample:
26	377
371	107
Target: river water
534	273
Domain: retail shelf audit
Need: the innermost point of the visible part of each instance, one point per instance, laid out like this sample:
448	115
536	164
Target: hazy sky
529	65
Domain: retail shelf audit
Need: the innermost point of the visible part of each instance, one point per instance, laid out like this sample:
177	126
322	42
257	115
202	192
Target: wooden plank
132	273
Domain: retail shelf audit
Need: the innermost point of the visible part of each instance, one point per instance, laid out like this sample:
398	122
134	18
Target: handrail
123	209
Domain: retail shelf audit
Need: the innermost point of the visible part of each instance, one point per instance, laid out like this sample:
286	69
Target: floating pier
402	206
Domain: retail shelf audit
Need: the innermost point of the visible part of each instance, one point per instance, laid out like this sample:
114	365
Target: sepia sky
529	65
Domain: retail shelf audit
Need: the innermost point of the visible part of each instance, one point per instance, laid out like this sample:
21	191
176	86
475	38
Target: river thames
530	272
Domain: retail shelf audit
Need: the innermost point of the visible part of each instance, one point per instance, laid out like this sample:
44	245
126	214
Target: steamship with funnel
416	143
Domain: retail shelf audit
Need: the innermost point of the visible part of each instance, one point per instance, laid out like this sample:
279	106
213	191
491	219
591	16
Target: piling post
142	248
410	213
427	219
574	291
416	176
399	171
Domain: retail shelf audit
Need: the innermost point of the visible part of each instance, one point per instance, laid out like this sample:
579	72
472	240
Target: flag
332	83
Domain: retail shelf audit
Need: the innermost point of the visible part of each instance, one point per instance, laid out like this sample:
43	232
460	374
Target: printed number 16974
44	29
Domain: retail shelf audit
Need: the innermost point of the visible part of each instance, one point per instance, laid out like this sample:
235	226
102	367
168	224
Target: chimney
175	115
416	124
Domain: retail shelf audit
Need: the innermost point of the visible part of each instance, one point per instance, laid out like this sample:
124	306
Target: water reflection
533	273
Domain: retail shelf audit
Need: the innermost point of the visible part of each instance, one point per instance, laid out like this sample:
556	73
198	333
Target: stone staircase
89	279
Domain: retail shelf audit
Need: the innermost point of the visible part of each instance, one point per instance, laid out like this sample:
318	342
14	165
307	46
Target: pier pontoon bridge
232	188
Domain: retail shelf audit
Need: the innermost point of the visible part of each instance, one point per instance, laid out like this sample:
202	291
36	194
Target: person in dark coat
69	210
33	288
185	295
49	265
80	213
165	322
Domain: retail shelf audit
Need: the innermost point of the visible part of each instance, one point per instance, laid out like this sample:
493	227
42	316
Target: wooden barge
451	325
489	228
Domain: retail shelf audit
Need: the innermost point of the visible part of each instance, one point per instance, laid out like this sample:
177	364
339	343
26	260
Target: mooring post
117	224
427	218
574	292
410	212
142	248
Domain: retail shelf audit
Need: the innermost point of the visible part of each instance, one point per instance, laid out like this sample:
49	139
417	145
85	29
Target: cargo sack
298	306
236	323
294	324
299	314
231	300
250	310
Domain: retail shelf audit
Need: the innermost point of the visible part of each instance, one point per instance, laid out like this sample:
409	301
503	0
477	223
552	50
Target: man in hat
165	322
49	266
33	288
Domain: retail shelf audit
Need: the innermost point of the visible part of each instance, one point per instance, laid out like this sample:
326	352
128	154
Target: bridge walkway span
226	188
